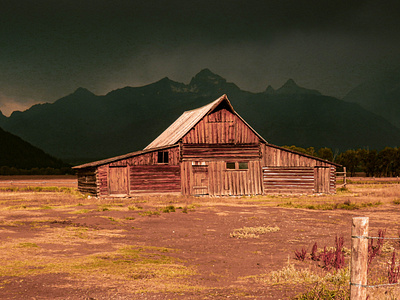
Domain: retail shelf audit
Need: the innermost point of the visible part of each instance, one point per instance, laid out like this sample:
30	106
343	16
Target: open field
58	244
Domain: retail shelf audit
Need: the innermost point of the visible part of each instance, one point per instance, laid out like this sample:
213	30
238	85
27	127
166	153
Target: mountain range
16	153
83	126
380	95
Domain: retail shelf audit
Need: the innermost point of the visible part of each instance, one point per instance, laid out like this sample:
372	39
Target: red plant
333	258
327	257
393	271
339	255
300	255
375	250
314	255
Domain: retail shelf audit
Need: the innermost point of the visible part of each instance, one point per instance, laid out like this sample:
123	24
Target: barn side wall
144	173
285	171
87	181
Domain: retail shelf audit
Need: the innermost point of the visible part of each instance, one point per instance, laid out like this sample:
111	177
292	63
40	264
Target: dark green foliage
309	150
169	208
373	163
325	153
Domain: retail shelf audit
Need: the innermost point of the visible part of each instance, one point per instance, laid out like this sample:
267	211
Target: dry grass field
58	244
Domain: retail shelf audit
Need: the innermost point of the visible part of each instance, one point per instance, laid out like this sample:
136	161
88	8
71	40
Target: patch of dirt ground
156	248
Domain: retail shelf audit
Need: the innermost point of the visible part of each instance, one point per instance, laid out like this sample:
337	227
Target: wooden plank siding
221	151
87	181
143	173
118	180
221	127
288	180
156	178
323	172
218	138
219	180
332	180
278	157
102	179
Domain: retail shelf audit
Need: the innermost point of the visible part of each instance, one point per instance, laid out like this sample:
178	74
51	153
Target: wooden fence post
344	176
359	258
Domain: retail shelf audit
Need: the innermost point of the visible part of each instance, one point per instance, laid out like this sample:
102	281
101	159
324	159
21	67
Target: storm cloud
50	48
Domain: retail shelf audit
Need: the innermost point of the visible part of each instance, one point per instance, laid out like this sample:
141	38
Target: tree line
384	163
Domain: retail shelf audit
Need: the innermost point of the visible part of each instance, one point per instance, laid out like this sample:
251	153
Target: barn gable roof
188	120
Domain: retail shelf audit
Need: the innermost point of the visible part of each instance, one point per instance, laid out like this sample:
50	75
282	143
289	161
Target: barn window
237	165
162	157
230	165
243	166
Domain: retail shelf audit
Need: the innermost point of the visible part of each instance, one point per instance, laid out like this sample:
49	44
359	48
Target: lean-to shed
209	151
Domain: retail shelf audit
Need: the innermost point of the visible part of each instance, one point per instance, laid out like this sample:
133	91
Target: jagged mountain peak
269	90
291	87
80	91
206	76
209	83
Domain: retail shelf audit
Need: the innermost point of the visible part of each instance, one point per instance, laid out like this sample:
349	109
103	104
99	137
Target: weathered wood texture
288	179
150	158
222	151
324	173
332	180
87	181
118	180
156	178
359	258
214	179
220	127
102	180
278	157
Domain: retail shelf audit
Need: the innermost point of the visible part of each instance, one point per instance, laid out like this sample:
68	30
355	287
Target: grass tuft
252	232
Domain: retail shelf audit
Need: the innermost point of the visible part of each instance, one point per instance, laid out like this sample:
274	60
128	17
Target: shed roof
188	120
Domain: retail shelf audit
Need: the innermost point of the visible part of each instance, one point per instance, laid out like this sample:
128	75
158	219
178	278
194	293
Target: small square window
162	157
243	166
230	165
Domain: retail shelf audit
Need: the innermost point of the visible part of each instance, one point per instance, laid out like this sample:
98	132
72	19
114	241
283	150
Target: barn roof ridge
188	120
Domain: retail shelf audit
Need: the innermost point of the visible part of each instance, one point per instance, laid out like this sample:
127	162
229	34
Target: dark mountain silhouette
82	126
14	152
380	95
291	88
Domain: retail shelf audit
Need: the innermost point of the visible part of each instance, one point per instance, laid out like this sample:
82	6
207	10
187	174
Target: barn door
322	179
118	181
200	180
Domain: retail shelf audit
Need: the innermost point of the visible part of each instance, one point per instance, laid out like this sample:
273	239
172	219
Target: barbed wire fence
359	259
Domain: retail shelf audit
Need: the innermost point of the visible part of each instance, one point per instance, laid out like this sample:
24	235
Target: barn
208	151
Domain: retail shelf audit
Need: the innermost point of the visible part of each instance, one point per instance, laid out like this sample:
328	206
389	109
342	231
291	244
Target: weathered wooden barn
208	151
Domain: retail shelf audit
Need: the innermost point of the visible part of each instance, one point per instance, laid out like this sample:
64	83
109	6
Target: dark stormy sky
48	48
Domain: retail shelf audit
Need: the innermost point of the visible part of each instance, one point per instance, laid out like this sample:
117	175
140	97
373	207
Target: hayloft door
118	180
200	180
